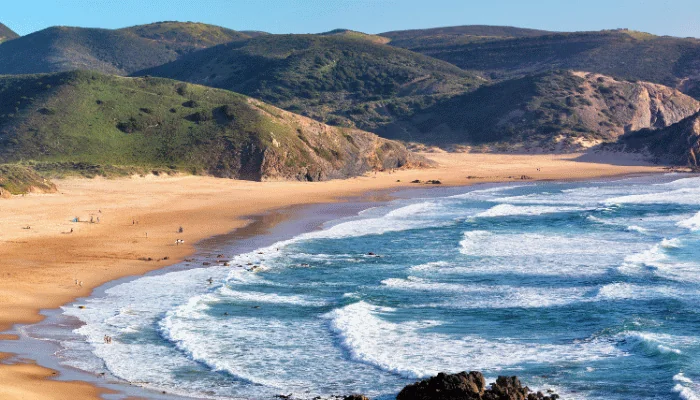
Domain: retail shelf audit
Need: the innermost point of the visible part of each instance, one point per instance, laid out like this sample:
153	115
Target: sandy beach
43	253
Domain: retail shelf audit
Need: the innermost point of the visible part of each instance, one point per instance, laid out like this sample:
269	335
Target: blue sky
663	17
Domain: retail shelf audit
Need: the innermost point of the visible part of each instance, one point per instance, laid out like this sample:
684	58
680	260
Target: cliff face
618	106
677	144
319	152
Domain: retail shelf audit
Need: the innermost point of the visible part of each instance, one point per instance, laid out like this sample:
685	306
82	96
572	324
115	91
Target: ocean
590	289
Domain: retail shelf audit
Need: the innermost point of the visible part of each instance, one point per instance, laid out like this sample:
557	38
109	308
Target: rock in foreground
469	386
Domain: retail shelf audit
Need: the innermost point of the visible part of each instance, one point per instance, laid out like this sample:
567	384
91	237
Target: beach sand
140	217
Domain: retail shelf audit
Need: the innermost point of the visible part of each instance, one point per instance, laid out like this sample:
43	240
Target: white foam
686	388
431	266
685	196
636	228
673	243
659	343
272	298
629	291
485	194
404	349
692	223
507	210
277	355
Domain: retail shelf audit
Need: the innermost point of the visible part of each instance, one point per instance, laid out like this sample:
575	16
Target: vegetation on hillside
621	53
7	33
357	35
337	79
454	35
562	110
19	179
120	51
91	121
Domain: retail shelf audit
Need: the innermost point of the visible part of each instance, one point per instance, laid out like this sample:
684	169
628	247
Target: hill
100	123
120	51
341	78
7	33
677	144
359	35
625	54
562	110
451	35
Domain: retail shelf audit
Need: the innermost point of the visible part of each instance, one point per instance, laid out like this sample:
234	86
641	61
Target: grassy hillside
89	121
452	35
562	110
624	54
120	51
677	144
19	179
7	33
339	78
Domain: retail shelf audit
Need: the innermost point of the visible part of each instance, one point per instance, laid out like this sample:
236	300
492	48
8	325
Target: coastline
203	207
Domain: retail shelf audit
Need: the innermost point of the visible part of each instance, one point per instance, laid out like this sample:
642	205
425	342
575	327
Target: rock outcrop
678	144
469	386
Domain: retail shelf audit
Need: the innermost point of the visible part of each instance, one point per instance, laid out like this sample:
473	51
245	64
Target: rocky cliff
677	144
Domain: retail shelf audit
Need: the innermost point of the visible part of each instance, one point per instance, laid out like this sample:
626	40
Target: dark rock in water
461	386
507	388
434	182
355	397
416	181
469	386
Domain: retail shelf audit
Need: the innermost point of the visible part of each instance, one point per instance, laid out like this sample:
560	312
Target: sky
661	17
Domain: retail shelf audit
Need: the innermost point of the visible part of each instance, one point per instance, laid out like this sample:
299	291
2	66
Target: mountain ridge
115	51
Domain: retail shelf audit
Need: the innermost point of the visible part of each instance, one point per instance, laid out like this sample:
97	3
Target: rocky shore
466	386
470	386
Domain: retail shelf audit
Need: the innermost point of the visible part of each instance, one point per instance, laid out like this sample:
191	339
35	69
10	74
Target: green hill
452	35
622	53
340	78
677	144
120	51
99	123
562	110
7	34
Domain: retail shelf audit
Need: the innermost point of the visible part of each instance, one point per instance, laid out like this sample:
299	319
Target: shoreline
208	217
40	341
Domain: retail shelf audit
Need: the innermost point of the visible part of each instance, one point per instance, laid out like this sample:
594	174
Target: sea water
591	289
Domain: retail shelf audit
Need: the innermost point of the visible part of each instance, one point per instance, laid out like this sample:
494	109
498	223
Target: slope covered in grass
338	78
89	120
118	51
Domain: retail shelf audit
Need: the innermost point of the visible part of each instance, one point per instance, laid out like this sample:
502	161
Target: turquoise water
589	288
